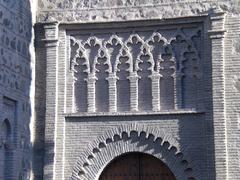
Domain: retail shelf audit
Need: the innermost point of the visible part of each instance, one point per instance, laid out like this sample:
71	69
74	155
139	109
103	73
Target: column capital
155	75
217	14
91	78
133	76
217	20
112	77
51	31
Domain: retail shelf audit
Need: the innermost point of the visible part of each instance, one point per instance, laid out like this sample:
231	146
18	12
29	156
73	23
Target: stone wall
15	81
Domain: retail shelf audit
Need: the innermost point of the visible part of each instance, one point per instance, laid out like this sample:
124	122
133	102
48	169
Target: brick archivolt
133	138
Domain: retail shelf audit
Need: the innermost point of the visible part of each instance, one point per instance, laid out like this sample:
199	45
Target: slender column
216	35
51	44
178	90
91	81
112	80
156	91
133	78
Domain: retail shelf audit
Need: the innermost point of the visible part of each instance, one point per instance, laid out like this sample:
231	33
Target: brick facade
112	77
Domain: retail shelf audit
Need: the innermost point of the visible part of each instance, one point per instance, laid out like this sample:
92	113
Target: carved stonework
150	70
122	10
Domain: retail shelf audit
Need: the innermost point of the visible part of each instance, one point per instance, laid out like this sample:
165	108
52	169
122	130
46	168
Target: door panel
123	168
152	168
137	166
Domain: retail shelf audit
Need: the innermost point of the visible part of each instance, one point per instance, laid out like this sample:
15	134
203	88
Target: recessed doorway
137	166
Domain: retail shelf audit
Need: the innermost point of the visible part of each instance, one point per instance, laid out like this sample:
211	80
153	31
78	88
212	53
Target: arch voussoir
132	138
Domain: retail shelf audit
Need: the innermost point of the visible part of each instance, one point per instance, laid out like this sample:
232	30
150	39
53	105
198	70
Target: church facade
120	90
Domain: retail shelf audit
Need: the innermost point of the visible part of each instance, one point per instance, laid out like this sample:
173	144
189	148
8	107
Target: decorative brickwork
146	71
126	71
132	138
109	77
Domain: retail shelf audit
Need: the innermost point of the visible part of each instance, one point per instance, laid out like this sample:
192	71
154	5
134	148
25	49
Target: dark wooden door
137	166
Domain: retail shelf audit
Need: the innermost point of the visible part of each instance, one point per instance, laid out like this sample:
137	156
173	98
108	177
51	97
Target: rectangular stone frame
58	86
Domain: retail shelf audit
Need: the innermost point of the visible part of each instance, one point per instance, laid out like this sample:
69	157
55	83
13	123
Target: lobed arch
133	138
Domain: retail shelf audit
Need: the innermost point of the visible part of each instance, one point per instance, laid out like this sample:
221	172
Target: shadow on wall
40	106
15	86
196	135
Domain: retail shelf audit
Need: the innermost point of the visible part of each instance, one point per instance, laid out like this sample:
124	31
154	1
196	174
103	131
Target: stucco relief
105	10
149	70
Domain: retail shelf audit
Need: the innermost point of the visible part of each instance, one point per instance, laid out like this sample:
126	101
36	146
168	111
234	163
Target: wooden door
137	166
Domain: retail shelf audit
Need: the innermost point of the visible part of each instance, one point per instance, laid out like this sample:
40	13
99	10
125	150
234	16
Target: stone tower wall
15	82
